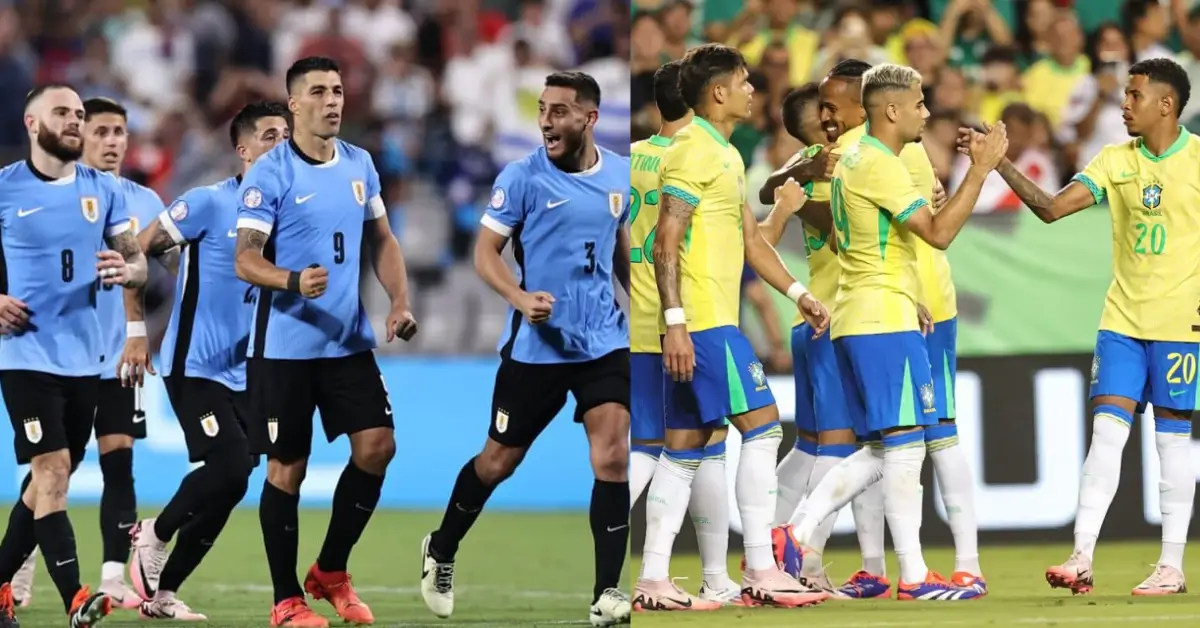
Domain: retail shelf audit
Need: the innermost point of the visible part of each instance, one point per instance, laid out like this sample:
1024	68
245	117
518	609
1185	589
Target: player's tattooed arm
250	264
621	257
161	245
674	220
1047	207
126	243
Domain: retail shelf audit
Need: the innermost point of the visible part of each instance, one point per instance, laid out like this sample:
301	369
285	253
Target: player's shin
903	457
756	486
196	538
118	510
1177	486
709	508
869	526
841	484
56	537
793	473
956	483
643	460
466	502
278	513
828	458
1101	474
666	506
354	501
609	518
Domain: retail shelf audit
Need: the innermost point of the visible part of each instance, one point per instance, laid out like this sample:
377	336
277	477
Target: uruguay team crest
927	397
1152	196
33	430
211	427
272	429
135	225
90	206
616	204
501	421
758	375
360	191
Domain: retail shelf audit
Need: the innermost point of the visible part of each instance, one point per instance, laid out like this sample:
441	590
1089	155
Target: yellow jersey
933	267
1155	205
871	196
1048	86
702	168
644	160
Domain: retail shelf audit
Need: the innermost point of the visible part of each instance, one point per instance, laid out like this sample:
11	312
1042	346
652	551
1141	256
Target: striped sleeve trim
1097	191
908	211
682	195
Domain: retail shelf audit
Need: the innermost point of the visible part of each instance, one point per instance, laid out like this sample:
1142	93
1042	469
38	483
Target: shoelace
1156	578
443	577
621	596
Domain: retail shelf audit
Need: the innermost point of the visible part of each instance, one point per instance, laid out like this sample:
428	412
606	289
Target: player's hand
965	136
814	314
925	319
14	315
790	196
313	282
135	362
536	306
988	150
939	193
112	269
821	166
679	356
401	324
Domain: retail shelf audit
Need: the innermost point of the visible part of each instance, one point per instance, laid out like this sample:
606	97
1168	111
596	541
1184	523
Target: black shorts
49	412
349	391
210	414
527	397
118	411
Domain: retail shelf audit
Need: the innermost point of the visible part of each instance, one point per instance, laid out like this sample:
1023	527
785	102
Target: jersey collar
660	141
1175	146
707	126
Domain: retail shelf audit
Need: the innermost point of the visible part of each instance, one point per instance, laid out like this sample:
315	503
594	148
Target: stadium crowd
443	92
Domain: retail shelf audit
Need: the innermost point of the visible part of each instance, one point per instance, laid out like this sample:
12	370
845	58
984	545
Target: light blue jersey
143	205
210	321
50	233
314	213
564	228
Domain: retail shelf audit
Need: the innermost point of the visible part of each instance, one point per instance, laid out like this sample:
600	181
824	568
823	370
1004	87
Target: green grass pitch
1019	595
513	570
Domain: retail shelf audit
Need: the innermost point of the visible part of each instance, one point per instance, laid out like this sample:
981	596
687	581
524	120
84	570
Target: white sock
793	473
958	496
112	570
666	506
869	524
840	484
641	469
710	514
1176	487
756	486
1101	474
902	505
812	565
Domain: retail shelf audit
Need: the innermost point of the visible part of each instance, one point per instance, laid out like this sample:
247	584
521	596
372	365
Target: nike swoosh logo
687	604
1176	393
553	204
363	508
139	418
231	233
300	200
612	529
21	213
124	526
60	563
1127	174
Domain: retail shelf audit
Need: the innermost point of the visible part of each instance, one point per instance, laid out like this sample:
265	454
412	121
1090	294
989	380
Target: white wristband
675	316
796	291
135	329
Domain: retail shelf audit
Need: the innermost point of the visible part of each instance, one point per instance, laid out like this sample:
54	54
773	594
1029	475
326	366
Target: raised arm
789	200
804	167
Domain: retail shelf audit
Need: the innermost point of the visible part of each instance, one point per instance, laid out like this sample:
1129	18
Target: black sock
56	537
19	541
280	519
466	502
354	500
609	515
118	504
196	538
184	502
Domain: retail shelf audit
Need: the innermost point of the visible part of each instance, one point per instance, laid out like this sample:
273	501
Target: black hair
98	106
1093	42
246	120
307	65
849	69
36	92
1132	12
704	64
1019	112
794	103
586	88
1000	54
1167	72
666	92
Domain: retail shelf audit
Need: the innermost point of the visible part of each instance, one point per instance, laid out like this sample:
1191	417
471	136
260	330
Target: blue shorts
1160	372
820	399
887	381
646	396
728	381
943	364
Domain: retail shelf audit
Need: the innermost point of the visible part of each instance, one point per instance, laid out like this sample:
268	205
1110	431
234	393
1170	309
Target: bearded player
1146	348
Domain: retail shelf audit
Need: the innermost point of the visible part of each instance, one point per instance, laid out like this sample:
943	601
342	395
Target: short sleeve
893	190
683	172
186	219
1095	177
260	196
117	221
507	207
375	208
149	206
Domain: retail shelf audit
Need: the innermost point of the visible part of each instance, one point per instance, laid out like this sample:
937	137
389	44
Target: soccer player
53	209
305	210
204	369
563	207
882	356
714	374
709	505
1146	348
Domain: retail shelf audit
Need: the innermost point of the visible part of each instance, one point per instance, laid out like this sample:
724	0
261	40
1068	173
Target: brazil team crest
1095	369
1152	196
33	430
90	206
616	204
758	375
927	397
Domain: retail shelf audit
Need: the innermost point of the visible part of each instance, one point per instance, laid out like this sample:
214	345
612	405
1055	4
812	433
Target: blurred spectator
1026	155
1187	20
1035	30
763	22
1049	82
155	57
1093	119
971	27
548	39
849	39
1000	79
1145	24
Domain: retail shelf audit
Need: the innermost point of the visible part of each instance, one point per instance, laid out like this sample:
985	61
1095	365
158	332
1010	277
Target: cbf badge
616	204
1095	370
927	398
360	192
90	207
1152	196
758	375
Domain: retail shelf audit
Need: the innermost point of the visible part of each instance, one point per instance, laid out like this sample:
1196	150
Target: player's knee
51	476
496	464
610	460
373	452
287	476
837	437
112	442
116	466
